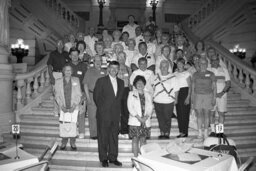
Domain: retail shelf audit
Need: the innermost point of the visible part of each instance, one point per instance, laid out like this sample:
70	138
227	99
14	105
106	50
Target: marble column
6	74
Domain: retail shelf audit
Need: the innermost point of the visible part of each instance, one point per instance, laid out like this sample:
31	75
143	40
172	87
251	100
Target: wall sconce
239	52
20	50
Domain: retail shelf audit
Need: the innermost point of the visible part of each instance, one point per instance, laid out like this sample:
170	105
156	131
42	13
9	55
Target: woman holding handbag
68	96
140	107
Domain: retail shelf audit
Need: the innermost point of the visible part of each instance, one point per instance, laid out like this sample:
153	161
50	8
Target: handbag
68	129
193	120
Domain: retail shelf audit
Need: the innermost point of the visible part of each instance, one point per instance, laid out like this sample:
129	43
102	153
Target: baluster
235	73
241	78
59	9
76	22
64	13
208	11
42	81
247	83
28	90
20	84
47	78
35	86
68	16
254	85
73	20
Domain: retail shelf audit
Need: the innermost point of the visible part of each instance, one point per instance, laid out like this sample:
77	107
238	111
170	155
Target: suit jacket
75	92
134	107
108	105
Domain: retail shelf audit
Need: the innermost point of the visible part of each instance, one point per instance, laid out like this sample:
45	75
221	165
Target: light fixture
101	2
154	3
240	52
20	50
101	5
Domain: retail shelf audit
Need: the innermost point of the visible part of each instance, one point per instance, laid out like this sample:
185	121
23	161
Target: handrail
233	58
26	91
241	73
62	10
206	10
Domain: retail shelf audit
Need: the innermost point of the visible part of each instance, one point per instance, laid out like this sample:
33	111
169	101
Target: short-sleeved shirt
79	71
151	48
148	75
165	88
91	76
150	58
129	56
181	78
221	76
58	60
158	61
130	29
203	82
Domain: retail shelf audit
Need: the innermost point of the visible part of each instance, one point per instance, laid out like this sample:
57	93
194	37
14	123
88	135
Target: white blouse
181	78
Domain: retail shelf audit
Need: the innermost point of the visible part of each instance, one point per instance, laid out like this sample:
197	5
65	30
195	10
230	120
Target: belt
63	122
90	91
57	71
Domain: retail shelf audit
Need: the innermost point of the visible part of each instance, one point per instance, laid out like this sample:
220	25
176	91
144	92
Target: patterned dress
142	130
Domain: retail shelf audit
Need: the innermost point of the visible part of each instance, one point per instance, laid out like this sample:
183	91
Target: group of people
121	80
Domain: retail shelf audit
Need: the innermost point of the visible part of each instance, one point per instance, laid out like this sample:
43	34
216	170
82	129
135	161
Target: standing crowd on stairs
120	80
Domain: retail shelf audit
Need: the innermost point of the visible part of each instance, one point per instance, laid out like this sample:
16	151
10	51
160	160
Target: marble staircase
40	128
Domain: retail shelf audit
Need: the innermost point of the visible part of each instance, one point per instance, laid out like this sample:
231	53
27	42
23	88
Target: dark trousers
124	112
107	139
164	116
183	111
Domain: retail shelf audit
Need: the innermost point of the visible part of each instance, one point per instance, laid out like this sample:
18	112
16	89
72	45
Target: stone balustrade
62	11
241	73
30	85
206	10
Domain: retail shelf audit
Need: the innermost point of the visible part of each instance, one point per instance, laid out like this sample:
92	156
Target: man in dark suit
107	95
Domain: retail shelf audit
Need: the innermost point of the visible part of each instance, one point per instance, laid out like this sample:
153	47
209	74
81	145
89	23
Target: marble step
229	120
63	165
123	143
231	98
89	154
247	128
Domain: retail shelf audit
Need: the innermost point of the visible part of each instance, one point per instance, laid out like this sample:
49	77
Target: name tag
79	72
207	75
102	73
126	75
74	84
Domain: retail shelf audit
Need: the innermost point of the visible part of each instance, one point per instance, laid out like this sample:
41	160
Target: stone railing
30	85
206	10
242	74
62	11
